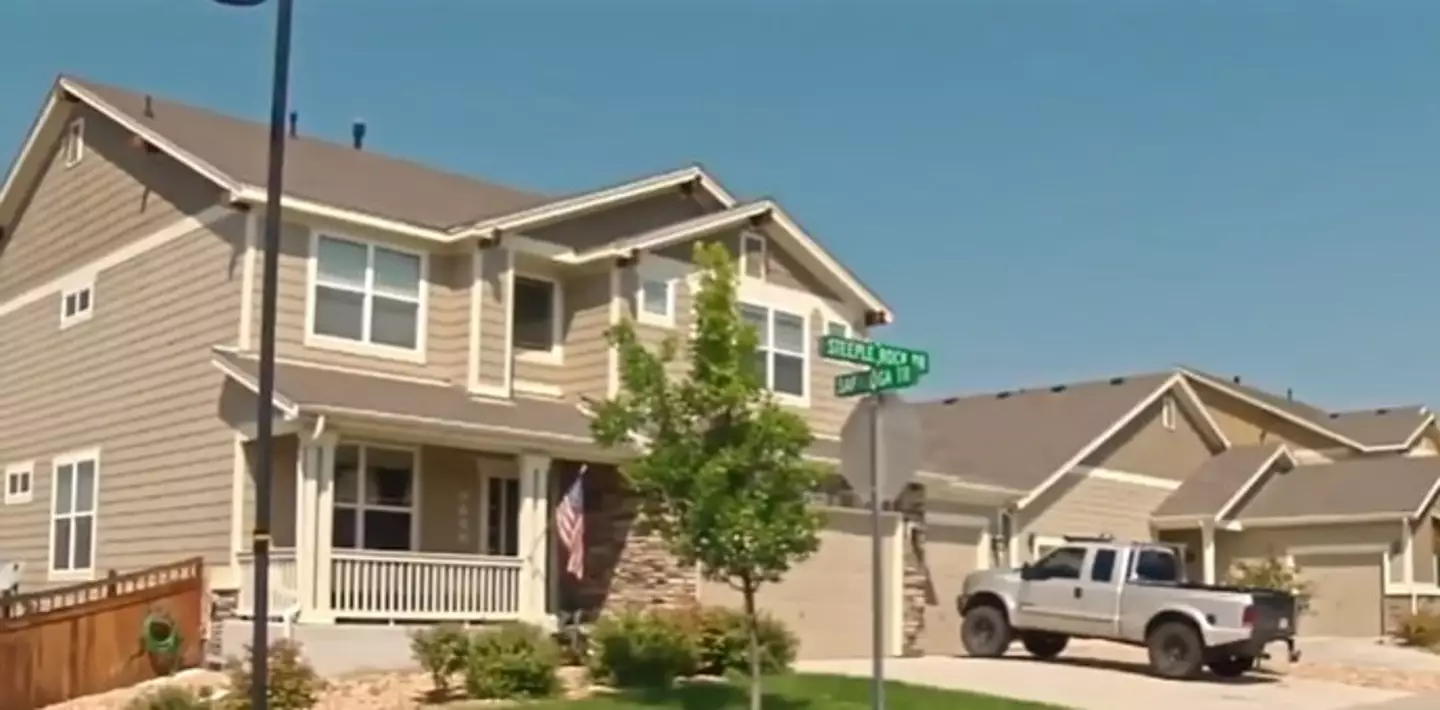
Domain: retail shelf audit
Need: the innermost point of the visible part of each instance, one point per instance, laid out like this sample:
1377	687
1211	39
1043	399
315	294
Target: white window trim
74	135
1168	415
846	330
653	267
71	459
68	319
556	354
360	506
764	252
358	347
806	353
484	516
15	470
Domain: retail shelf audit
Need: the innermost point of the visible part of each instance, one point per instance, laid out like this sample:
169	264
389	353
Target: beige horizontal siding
136	382
77	214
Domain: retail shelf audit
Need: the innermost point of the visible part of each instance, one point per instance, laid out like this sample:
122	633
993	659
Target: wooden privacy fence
89	638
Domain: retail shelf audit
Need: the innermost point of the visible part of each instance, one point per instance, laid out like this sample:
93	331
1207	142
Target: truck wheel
1231	666
1176	650
985	632
1042	645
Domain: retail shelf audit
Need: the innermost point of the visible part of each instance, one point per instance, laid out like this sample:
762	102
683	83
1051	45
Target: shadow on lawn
710	696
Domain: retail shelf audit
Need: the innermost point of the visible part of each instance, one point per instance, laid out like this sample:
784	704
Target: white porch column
305	502
534	536
323	481
1207	551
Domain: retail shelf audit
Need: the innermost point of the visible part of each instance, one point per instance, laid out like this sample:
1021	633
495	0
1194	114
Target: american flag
570	519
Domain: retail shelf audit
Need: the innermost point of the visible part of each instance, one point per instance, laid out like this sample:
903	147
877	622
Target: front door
1048	598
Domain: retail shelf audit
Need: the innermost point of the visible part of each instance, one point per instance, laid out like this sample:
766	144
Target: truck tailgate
1276	611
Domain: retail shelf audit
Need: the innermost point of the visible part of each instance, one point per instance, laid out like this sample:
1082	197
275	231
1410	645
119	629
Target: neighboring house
438	337
1224	471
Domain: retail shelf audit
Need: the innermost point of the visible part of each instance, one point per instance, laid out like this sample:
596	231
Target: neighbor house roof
1019	439
1384	486
1219	482
1364	430
323	391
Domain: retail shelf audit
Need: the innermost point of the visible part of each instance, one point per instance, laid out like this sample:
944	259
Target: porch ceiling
324	391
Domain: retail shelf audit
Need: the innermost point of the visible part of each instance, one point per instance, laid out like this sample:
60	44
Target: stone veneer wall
623	566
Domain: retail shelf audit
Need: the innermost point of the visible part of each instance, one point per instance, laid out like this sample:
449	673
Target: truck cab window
1103	568
1062	563
1157	566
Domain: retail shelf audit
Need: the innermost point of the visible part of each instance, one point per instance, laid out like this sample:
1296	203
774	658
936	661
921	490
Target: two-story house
438	337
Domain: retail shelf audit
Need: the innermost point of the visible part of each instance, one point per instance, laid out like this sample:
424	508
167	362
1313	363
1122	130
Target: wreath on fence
161	638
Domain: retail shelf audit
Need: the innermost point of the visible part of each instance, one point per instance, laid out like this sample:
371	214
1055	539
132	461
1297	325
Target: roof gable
1383	429
1020	439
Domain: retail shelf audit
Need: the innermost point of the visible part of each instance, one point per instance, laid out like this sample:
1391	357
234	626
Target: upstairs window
535	308
76	305
780	353
752	256
73	145
656	292
19	484
367	294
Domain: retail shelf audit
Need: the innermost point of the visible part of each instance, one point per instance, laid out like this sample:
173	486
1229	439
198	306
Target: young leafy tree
721	473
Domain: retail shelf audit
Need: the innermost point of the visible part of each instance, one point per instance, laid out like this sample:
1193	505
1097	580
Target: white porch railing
373	584
284	583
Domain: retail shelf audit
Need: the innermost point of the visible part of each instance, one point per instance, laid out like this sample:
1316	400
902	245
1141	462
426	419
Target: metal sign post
880	450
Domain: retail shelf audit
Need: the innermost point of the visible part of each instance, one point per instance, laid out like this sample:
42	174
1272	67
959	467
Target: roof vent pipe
149	107
357	134
294	123
1235	379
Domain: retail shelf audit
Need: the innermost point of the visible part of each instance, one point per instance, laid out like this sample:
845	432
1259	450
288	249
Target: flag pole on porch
570	522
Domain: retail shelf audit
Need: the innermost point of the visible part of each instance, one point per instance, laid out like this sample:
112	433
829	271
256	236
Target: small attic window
74	142
1167	413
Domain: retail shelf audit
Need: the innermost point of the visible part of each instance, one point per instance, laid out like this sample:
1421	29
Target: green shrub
1272	573
170	697
722	641
442	651
513	661
641	649
293	685
1420	629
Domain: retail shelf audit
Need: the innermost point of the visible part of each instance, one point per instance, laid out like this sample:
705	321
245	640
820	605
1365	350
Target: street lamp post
265	435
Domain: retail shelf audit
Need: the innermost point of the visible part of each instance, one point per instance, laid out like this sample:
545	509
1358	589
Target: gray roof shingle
1212	485
1382	485
1017	439
323	171
1376	427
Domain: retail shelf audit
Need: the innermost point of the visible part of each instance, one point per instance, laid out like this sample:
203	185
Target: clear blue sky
1044	190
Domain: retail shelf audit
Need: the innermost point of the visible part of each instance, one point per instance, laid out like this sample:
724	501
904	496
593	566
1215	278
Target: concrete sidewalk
1428	701
1096	684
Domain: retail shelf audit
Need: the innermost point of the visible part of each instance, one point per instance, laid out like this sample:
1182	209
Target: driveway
1086	682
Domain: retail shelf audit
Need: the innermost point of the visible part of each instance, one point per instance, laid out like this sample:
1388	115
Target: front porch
369	529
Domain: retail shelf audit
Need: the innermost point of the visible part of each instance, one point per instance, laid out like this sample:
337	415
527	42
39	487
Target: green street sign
880	379
861	352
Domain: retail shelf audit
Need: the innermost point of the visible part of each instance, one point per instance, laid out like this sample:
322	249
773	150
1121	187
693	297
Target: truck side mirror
1029	573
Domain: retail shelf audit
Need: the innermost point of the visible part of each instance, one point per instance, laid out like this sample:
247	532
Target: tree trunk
754	632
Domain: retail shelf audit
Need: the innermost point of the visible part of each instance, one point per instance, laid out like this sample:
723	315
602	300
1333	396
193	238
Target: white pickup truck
1129	592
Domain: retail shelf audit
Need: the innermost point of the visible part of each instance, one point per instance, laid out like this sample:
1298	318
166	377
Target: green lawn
797	692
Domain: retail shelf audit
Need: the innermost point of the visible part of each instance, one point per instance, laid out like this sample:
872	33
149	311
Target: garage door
826	599
950	554
1346	594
